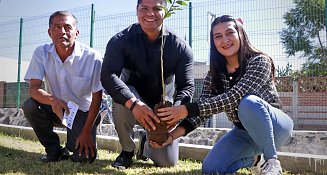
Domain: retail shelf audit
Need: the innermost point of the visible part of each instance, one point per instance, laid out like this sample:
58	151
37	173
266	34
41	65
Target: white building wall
9	69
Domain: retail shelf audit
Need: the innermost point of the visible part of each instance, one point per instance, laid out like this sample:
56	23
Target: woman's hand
169	140
173	114
174	134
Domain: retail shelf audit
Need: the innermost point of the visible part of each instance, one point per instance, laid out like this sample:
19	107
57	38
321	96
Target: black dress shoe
142	140
82	159
62	154
124	160
49	158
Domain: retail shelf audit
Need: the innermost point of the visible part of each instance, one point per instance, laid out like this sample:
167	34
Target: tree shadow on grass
24	162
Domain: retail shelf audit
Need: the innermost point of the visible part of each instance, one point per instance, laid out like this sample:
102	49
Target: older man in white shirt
71	72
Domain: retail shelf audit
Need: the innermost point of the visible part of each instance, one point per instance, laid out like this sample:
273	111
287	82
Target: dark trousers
42	120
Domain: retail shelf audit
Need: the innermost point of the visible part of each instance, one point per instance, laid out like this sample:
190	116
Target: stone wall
13	116
308	142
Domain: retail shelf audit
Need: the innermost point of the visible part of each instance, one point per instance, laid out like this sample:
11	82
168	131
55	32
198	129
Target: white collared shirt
73	80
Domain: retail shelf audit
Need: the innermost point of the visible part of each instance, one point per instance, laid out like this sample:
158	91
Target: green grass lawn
20	156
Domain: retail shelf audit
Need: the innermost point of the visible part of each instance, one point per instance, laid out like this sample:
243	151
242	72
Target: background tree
306	27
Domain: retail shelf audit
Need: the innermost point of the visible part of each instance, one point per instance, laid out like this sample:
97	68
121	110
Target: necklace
233	74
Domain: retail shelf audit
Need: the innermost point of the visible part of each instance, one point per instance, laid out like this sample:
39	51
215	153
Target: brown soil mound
160	135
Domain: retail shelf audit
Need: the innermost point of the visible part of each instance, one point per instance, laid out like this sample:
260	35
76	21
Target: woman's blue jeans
267	128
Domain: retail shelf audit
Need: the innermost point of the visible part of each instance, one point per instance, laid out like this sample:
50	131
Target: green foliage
306	24
174	5
314	69
283	72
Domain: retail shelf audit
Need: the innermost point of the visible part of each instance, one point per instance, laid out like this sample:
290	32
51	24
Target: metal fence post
190	24
92	25
19	62
295	104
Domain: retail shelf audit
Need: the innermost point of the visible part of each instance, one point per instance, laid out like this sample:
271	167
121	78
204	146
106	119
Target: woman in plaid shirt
239	83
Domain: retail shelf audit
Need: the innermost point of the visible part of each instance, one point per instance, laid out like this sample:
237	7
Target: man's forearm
41	96
93	111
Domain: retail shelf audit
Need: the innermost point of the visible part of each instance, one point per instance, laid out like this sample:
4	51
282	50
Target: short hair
162	2
60	13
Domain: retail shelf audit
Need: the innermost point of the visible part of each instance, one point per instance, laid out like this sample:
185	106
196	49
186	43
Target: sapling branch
174	5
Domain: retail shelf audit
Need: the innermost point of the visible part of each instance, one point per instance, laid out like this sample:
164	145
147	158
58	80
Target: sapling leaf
168	15
183	3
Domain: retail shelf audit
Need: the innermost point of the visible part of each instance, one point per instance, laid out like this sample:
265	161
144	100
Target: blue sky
15	9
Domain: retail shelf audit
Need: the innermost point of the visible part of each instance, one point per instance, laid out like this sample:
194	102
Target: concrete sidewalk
294	162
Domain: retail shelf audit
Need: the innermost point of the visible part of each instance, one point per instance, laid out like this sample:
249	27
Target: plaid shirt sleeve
206	89
190	123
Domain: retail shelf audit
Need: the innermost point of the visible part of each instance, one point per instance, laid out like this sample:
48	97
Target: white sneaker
271	167
258	162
